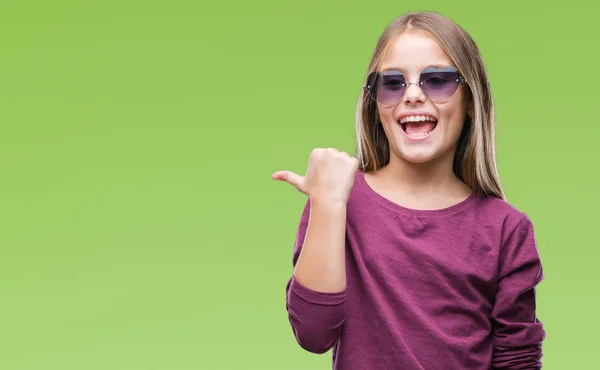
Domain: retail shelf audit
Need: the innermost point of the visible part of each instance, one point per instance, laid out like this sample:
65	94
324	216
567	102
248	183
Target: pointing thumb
291	178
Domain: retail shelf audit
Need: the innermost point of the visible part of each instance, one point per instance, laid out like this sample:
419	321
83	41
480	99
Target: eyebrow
434	65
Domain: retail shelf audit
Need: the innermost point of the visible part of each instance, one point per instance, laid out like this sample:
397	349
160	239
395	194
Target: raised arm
316	291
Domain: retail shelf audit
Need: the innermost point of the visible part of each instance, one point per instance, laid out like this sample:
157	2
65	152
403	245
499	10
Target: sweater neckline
380	199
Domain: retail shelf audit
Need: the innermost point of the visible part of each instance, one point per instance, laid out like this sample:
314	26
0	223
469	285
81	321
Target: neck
423	179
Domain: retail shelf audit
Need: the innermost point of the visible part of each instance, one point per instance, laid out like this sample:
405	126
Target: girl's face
426	123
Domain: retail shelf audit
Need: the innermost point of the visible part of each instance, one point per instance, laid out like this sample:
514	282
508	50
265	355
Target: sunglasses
388	88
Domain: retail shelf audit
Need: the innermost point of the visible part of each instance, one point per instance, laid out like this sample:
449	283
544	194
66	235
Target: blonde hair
475	157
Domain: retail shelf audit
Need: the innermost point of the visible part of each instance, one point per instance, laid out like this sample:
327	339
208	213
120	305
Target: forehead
412	52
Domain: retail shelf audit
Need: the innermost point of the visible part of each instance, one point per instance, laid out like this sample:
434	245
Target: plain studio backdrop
139	226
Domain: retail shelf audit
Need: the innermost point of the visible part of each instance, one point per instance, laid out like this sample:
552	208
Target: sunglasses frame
370	94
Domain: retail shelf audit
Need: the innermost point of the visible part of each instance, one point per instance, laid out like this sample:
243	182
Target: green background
139	226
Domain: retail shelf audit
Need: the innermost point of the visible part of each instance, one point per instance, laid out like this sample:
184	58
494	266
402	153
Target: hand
329	177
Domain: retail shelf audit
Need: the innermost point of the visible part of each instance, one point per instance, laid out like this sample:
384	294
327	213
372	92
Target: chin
417	157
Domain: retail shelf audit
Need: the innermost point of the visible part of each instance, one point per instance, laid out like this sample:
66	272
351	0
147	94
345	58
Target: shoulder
363	198
505	216
360	189
499	207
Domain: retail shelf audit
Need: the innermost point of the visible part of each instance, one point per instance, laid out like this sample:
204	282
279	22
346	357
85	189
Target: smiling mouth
418	127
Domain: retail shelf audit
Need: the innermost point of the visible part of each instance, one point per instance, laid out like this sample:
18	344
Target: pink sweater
450	289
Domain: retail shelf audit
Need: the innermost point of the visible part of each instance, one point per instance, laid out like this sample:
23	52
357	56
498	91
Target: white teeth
420	134
416	119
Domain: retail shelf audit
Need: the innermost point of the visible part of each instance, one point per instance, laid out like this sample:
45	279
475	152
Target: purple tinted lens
439	86
390	88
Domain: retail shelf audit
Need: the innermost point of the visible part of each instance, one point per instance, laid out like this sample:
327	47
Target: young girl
408	255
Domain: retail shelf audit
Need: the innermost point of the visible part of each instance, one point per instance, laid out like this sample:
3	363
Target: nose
414	94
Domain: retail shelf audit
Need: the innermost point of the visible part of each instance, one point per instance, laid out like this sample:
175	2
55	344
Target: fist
329	176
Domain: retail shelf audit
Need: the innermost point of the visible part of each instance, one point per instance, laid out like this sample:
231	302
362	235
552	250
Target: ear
471	108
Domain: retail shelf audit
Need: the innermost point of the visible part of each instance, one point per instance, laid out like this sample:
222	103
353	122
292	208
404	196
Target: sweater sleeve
316	317
517	332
